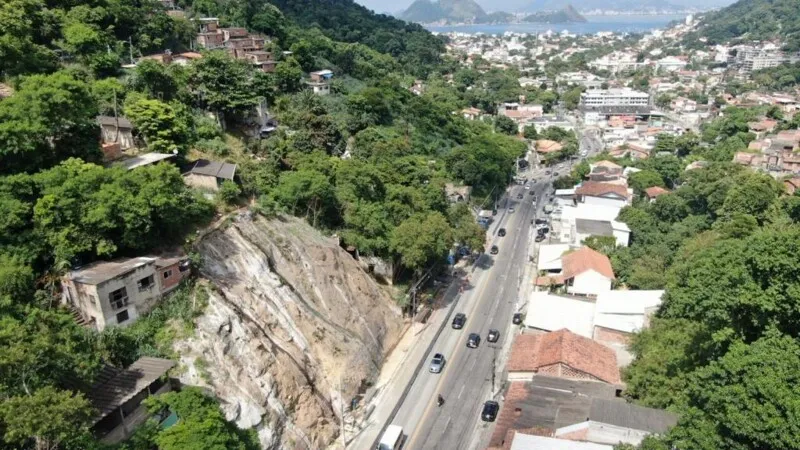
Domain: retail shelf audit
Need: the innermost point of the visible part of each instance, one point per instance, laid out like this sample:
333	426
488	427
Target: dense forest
752	20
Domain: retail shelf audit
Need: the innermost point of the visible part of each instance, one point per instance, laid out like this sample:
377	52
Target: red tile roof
655	191
585	259
547	146
597	189
530	352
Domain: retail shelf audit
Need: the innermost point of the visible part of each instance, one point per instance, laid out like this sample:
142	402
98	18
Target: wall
601	433
201	181
607	335
589	283
623	237
604	201
138	302
85	299
173	280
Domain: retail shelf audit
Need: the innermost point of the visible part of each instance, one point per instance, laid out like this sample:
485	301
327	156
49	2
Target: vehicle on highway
533	194
392	438
511	209
437	363
520	196
474	340
543	231
494	250
541	221
516	319
493	336
541	226
494	212
555	174
501	232
459	320
540	237
489	412
527	186
548	209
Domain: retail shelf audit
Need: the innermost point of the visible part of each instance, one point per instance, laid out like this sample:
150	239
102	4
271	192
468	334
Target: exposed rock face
291	314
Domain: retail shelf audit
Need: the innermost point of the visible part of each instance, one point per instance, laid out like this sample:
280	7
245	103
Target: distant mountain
426	11
607	5
754	20
566	15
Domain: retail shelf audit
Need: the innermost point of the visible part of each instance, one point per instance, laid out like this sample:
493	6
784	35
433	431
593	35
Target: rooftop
113	393
529	442
623	414
144	160
214	169
655	191
102	271
625	310
111	121
530	352
550	256
594	227
550	312
597	189
586	259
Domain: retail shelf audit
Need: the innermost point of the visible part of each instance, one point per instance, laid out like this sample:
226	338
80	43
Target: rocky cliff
291	318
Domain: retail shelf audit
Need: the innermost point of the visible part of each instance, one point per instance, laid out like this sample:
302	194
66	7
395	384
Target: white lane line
461	392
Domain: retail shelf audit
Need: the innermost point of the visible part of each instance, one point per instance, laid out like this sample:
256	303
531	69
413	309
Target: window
167	274
146	283
118	298
122	316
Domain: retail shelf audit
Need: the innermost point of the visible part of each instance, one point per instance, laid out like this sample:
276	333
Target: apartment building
614	97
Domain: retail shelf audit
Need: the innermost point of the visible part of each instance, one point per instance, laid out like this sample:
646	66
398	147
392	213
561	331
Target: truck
392	438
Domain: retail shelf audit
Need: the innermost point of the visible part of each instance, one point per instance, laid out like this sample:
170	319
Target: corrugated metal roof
214	169
631	416
111	121
103	271
113	393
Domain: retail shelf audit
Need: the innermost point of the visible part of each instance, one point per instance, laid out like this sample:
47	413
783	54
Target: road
466	381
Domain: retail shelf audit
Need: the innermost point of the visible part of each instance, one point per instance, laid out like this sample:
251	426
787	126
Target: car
555	174
519	196
437	363
516	319
511	209
459	320
474	340
494	212
542	226
501	232
541	221
494	250
527	186
493	336
540	238
533	194
547	172
489	413
542	231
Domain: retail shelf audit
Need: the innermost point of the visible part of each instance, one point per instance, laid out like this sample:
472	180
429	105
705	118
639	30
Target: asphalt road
466	381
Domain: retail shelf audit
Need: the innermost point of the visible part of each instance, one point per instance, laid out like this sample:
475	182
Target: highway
489	302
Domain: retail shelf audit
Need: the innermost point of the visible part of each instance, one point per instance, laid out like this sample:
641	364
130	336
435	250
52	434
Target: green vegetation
752	20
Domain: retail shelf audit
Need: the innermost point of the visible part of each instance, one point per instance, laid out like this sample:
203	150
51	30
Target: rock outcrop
293	326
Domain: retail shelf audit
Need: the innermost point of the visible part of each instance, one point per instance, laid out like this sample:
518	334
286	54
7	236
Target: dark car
541	221
489	412
494	212
474	340
517	319
501	232
519	196
555	174
542	229
532	193
493	336
540	238
459	320
494	250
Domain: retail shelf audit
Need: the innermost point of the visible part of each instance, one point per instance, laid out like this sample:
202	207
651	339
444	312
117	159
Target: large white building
614	97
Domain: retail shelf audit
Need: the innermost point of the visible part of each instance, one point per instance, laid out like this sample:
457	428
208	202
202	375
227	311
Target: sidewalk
400	368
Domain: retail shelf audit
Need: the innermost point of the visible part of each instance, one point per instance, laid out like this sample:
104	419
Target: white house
603	194
550	312
584	272
619	314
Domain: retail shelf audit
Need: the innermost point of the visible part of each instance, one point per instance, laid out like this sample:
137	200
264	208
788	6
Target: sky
393	6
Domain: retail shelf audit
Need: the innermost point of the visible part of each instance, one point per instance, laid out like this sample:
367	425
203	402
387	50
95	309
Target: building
116	134
471	113
671	63
612	422
614	97
117	397
584	272
561	354
653	192
585	79
208	175
549	312
546	146
457	194
603	194
605	172
109	293
750	58
320	82
518	440
620	314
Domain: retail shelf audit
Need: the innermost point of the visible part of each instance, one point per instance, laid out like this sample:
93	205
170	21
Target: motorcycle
440	401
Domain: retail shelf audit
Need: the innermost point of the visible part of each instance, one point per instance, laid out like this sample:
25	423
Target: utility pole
130	49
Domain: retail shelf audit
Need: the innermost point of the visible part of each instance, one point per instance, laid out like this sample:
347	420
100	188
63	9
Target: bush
229	192
215	146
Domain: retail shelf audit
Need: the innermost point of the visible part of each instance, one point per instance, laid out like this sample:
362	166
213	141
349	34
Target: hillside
566	15
425	11
589	5
754	20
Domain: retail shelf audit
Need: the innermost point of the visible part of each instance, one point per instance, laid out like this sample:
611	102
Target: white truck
392	438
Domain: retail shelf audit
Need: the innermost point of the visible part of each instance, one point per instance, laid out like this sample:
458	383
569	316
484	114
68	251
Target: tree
224	85
752	196
505	125
306	192
422	239
288	76
530	133
160	124
157	80
270	21
16	278
229	192
201	424
465	230
48	417
644	179
48	119
670	167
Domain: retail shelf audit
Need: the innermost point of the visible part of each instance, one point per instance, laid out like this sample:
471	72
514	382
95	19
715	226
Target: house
582	229
261	60
696	165
550	257
116	134
109	293
549	312
546	146
654	191
611	422
603	194
519	440
117	397
562	354
584	272
471	113
457	194
209	175
791	185
605	171
762	127
619	314
5	91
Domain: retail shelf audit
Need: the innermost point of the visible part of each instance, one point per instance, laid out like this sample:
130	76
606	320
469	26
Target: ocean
618	24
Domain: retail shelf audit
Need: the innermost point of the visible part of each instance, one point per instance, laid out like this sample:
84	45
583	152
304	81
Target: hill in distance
754	20
566	15
608	5
427	11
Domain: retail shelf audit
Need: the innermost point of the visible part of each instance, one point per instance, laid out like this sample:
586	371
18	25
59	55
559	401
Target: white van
392	438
